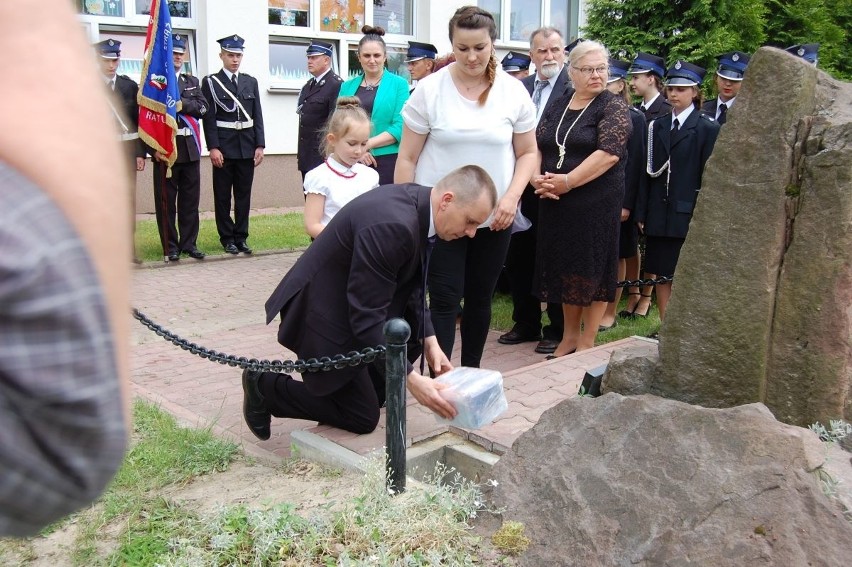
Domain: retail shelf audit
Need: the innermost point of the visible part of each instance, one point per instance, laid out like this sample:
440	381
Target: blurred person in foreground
63	286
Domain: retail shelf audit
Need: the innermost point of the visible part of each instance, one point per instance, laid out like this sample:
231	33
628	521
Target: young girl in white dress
332	184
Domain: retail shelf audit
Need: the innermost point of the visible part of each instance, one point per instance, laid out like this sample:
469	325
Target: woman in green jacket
382	95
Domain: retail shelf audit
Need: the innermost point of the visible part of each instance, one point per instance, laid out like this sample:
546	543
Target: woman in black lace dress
582	142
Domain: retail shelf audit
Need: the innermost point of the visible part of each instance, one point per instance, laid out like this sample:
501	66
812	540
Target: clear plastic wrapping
476	393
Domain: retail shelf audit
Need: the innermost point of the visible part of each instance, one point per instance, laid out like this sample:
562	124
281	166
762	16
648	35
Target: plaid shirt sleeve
62	428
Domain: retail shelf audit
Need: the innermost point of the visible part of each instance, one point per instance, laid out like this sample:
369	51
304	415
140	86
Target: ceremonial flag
159	99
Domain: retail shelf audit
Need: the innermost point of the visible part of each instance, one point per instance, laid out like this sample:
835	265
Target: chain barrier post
397	333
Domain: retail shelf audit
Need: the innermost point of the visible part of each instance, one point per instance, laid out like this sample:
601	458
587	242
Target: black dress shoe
174	256
231	249
243	247
257	417
196	253
546	346
513	337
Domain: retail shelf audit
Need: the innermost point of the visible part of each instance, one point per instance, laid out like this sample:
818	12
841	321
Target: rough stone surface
630	372
642	481
761	308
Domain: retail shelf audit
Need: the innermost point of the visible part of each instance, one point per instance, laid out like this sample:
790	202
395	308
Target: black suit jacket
560	87
365	267
659	108
124	101
666	208
234	144
315	106
193	104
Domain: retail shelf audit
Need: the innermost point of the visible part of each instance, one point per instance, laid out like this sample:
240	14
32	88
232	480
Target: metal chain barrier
338	361
354	358
640	283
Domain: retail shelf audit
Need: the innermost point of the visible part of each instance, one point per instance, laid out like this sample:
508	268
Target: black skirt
661	254
628	239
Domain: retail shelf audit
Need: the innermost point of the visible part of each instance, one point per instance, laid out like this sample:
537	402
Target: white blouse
339	184
460	132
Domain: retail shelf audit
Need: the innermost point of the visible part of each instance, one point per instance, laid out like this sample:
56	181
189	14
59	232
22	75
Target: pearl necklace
565	137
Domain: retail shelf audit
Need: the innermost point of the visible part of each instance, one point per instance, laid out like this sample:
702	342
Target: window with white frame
130	8
395	16
295	13
288	68
525	16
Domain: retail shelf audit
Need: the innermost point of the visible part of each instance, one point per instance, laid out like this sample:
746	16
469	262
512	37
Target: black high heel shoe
628	313
648	310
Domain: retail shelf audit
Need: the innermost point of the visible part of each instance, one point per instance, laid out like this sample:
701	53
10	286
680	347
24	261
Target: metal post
397	332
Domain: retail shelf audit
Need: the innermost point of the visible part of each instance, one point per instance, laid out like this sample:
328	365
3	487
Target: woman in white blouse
469	113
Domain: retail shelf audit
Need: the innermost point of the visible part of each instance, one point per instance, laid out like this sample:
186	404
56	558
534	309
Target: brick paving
218	303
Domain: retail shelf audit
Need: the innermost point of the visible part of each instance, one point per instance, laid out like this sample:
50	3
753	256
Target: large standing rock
762	302
642	481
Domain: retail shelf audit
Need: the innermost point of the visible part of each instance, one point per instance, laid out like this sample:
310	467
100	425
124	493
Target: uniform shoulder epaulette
336	77
636	110
707	117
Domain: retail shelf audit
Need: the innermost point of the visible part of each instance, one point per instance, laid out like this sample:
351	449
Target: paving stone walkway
218	303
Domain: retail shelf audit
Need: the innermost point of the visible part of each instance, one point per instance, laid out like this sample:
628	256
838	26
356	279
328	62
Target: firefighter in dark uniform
316	103
233	128
646	80
125	110
807	51
420	60
516	64
180	194
679	145
729	78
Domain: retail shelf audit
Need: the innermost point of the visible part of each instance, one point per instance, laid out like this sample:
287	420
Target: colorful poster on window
344	16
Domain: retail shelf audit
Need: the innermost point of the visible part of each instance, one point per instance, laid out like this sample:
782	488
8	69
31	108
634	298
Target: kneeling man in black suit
366	267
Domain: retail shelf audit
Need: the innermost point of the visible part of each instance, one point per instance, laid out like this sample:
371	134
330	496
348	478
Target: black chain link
639	283
338	361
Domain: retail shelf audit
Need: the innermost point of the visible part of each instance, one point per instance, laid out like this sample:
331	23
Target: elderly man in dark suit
180	194
233	128
317	101
366	267
550	81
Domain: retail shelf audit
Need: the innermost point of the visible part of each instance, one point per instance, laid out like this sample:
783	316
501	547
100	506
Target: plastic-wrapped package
477	395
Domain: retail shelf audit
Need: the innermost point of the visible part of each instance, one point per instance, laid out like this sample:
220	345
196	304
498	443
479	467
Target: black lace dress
577	250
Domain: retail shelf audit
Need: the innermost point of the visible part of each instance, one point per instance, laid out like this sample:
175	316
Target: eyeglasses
587	71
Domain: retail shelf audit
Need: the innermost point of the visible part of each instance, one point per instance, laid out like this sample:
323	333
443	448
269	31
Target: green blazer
387	109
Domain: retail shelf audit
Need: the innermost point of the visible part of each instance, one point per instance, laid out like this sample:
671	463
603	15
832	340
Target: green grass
501	320
267	232
162	454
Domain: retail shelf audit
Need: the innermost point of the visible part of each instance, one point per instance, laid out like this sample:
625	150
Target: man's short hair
546	31
469	183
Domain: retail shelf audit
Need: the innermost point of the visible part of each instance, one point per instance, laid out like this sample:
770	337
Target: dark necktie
642	108
430	246
723	113
234	82
675	125
312	83
536	98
